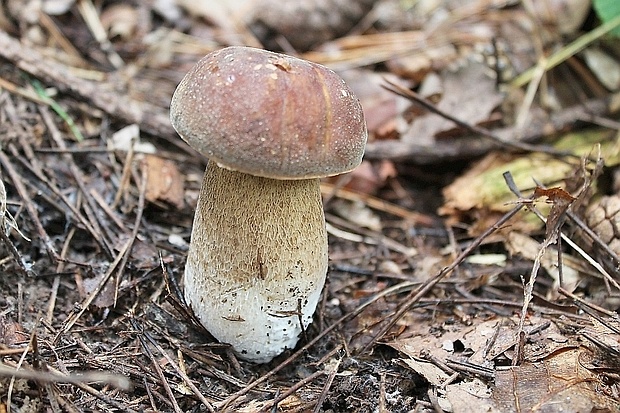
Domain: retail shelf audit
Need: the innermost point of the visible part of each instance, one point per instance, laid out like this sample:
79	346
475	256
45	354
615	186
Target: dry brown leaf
106	296
471	396
367	178
470	95
559	383
164	182
477	338
433	374
11	333
561	201
381	107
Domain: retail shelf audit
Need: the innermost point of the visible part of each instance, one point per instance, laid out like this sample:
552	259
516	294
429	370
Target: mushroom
271	126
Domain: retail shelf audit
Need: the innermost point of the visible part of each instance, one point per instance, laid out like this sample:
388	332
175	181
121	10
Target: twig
469	145
378	204
76	213
134	232
6	222
117	380
56	283
514	144
90	206
330	379
32	343
527	297
583	304
89	14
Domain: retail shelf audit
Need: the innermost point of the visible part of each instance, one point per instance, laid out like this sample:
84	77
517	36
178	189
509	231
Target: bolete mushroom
271	126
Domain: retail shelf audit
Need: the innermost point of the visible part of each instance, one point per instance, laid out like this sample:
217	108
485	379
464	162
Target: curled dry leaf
119	20
561	201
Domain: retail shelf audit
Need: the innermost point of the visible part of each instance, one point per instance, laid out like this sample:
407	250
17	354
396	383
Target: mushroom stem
257	260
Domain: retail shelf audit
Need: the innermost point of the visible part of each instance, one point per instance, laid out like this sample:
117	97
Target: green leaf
606	11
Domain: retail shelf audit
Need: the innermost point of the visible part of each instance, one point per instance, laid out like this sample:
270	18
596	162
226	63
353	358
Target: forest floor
473	254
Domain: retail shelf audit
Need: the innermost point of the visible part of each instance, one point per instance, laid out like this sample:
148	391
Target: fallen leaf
471	396
164	181
557	384
481	191
105	297
119	20
11	333
433	374
470	95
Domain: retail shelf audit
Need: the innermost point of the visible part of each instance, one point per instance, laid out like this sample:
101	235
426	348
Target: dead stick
542	125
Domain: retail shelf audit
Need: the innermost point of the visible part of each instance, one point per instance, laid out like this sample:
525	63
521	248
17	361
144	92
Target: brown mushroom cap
269	115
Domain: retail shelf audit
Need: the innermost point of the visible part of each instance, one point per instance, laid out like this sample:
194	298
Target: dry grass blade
117	380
